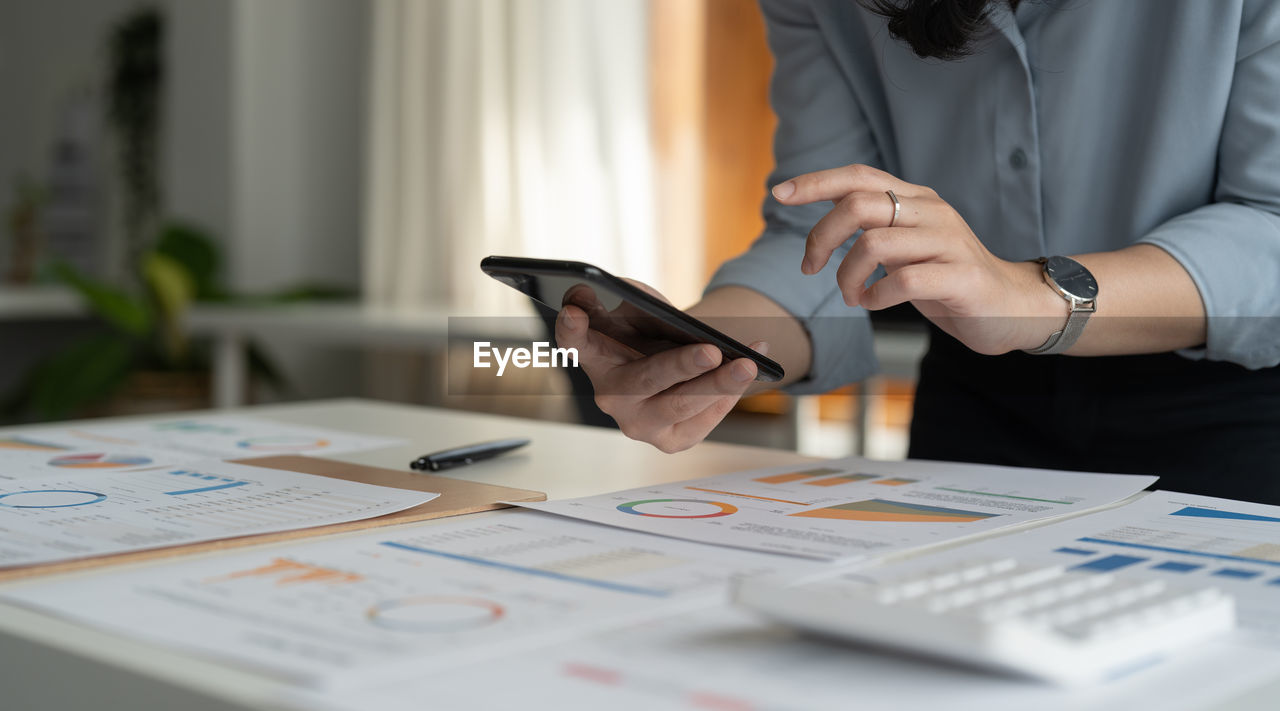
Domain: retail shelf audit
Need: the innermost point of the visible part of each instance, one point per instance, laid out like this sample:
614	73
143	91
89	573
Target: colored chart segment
286	571
842	479
1173	566
1111	562
283	443
1237	573
1244	555
789	477
195	427
29	445
895	481
210	482
99	460
976	492
435	613
50	498
895	511
745	496
678	508
1199	512
1261	551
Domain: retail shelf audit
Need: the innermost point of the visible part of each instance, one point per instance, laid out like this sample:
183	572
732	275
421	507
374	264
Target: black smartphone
618	309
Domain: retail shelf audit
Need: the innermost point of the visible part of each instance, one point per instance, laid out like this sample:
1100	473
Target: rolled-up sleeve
820	125
1231	247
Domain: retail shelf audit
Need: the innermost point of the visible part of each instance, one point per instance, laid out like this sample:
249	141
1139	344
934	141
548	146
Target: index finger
856	211
835	183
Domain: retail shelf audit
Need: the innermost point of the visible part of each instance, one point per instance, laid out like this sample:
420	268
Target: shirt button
1018	159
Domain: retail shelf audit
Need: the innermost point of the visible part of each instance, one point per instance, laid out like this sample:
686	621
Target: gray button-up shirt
1077	126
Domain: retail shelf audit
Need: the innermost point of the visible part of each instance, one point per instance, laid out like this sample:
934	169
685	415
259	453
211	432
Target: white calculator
1066	626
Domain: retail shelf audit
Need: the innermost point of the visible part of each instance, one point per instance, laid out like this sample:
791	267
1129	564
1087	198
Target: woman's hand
931	257
671	399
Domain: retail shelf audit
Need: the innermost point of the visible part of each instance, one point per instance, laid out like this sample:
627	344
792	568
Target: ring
897	207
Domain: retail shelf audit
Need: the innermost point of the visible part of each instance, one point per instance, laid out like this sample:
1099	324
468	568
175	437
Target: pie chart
99	460
678	508
50	499
435	613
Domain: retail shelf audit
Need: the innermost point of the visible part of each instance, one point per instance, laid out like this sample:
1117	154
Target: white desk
47	663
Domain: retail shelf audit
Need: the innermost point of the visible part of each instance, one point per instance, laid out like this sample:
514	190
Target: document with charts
53	452
850	509
407	599
201	436
95	512
724	658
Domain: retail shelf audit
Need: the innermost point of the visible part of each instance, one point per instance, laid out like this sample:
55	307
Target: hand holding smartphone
619	309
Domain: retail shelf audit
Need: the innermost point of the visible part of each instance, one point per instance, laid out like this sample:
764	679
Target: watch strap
1060	341
1080	310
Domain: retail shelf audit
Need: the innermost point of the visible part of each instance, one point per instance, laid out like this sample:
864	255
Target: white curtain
516	127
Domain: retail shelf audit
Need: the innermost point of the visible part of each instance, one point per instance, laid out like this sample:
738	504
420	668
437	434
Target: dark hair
944	29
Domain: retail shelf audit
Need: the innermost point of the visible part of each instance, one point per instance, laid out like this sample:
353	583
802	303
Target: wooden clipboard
456	497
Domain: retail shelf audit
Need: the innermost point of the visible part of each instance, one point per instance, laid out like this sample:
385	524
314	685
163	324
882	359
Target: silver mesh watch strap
1073	282
1060	341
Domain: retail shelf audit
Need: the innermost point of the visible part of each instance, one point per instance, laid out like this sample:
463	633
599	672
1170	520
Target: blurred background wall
266	116
327	174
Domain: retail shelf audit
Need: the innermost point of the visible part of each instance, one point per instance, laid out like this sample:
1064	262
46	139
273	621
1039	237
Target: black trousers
1203	427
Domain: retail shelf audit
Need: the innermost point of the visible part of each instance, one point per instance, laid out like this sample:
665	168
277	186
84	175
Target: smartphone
618	309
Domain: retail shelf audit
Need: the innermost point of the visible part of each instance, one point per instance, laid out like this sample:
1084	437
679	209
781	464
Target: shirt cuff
1231	251
843	351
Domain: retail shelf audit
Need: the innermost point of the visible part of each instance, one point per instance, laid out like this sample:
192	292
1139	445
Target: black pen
460	456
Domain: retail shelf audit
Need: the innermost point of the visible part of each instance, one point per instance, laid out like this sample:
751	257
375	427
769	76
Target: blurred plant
143	315
144	330
170	265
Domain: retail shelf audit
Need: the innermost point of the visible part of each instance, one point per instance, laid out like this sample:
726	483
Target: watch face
1072	277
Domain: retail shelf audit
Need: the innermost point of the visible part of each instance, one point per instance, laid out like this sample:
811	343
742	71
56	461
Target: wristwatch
1075	284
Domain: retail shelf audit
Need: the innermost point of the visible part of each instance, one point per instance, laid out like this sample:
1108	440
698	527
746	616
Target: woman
955	142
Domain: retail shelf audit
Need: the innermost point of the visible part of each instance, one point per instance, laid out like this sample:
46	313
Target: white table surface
47	663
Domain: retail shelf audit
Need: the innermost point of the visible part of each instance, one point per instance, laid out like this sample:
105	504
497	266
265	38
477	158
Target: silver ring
897	207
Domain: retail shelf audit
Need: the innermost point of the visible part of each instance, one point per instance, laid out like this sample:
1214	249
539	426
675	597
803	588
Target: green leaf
118	307
170	282
88	372
174	290
196	251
